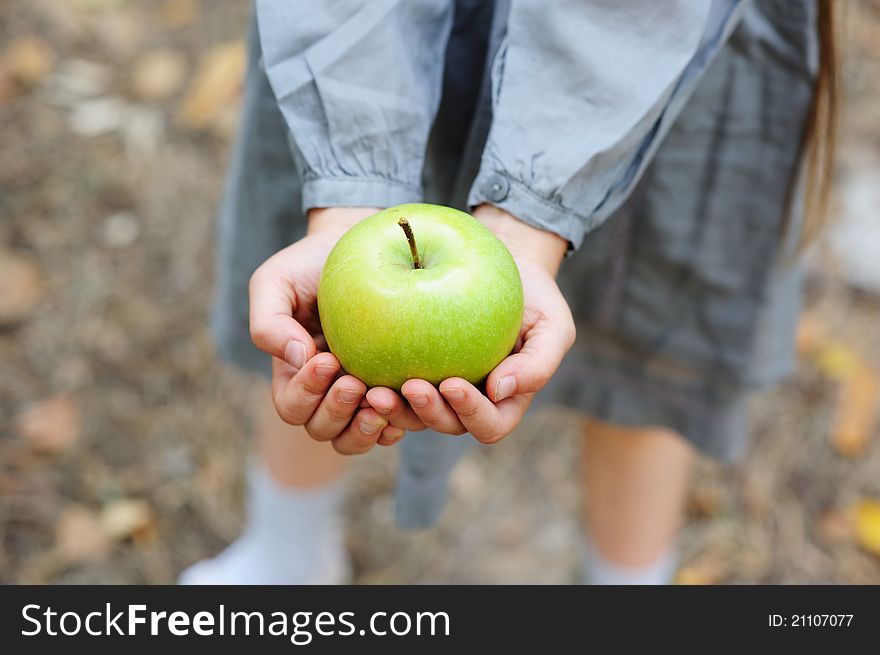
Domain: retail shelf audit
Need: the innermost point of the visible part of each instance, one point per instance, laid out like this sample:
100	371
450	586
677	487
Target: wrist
336	220
523	240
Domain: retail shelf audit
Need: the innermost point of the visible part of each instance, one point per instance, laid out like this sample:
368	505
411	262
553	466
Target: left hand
547	333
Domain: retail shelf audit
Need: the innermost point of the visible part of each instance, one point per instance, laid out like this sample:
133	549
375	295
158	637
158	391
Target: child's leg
293	533
634	483
292	457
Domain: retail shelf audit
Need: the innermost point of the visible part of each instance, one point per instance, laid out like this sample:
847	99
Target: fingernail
454	393
325	371
383	410
369	428
505	388
418	400
348	397
295	353
393	435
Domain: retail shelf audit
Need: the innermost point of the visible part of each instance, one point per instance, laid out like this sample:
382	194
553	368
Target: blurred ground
122	442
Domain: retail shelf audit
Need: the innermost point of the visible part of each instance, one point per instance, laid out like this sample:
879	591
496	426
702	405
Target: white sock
599	570
292	536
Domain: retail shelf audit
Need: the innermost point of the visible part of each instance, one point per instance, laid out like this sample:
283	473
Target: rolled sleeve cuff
514	197
357	192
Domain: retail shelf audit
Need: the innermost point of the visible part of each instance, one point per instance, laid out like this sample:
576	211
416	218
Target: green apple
420	291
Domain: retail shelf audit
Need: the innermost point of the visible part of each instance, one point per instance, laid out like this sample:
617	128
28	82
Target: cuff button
497	188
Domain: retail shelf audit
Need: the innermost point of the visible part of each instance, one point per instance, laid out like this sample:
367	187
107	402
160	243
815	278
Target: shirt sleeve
358	83
581	97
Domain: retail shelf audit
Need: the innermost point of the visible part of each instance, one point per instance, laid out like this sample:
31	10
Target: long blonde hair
820	132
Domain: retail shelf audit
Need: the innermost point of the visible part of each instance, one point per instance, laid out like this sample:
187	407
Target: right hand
547	332
307	388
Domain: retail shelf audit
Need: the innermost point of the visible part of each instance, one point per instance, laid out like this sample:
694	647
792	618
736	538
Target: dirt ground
122	438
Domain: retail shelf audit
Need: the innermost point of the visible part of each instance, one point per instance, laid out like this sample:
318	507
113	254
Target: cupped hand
308	387
547	333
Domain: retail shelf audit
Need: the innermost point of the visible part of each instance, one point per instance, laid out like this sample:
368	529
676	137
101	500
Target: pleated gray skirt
685	300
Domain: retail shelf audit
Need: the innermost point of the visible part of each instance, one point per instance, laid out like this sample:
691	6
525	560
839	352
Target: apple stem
407	230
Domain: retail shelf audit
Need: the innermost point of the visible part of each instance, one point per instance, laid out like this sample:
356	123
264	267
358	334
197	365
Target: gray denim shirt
582	92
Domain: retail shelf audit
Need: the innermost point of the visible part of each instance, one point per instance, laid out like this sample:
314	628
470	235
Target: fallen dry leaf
158	74
709	568
215	88
705	499
80	537
837	360
867	520
21	287
28	60
856	412
126	518
51	426
180	13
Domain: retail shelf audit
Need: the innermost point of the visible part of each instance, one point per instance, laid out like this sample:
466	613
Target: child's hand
305	383
547	333
306	386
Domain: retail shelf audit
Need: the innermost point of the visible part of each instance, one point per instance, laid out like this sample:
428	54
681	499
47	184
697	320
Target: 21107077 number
809	620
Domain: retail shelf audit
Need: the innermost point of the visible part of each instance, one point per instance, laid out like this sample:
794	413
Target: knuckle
259	333
312	387
543	377
293	411
431	416
337	411
468	411
288	415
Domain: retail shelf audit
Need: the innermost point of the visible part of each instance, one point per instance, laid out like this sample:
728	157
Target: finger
529	370
361	434
486	421
391	435
336	409
429	406
272	326
297	395
395	410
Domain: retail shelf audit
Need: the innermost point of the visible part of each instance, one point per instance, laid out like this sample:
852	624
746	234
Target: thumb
530	369
272	326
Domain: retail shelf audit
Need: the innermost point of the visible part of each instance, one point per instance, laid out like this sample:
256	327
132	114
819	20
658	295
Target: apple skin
387	322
